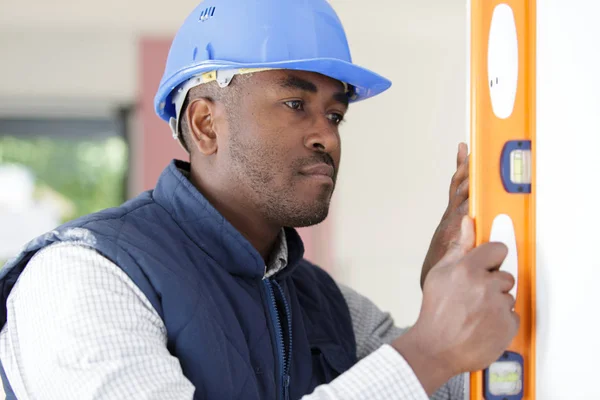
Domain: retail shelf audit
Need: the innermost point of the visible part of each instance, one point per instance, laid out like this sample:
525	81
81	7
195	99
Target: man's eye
295	104
336	118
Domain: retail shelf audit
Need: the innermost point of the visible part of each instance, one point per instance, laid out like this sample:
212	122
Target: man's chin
307	219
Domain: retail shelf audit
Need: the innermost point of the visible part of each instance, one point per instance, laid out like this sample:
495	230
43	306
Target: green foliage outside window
89	174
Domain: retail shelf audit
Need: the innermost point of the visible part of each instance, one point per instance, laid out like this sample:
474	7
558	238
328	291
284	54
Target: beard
263	176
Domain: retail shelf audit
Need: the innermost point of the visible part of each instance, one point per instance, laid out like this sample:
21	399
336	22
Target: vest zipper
288	357
283	358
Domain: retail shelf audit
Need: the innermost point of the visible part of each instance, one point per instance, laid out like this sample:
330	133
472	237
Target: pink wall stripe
158	146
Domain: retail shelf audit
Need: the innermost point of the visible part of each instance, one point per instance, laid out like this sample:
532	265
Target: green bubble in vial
504	378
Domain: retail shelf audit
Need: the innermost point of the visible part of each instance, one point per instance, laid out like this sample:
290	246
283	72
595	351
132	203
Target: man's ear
201	122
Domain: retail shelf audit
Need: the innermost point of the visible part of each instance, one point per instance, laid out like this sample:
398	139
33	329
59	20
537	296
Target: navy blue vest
236	335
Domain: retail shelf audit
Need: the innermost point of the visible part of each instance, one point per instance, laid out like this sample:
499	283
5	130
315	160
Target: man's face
283	146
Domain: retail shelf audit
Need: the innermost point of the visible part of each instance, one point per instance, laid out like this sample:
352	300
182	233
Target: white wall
399	153
62	52
568	199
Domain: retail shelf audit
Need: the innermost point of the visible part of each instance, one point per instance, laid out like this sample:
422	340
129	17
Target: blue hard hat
302	35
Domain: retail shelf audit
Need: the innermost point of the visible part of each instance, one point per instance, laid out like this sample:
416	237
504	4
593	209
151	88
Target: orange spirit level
502	173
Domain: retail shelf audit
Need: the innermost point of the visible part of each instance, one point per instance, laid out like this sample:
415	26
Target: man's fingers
463	209
461	156
517	320
463	244
510	301
504	281
488	256
461	175
466	241
462	192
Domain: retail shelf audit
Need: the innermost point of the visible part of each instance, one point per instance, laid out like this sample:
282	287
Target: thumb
457	249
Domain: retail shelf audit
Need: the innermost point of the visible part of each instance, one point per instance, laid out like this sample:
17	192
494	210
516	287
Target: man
198	288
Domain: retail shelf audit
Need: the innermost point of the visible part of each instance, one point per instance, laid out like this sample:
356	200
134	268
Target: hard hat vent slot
206	14
210	51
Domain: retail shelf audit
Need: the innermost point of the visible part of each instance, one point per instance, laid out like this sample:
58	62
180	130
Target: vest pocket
329	361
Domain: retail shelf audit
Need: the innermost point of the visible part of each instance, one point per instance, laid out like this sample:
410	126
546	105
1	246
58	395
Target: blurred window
54	170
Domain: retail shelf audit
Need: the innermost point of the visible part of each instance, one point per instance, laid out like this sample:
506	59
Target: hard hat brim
365	82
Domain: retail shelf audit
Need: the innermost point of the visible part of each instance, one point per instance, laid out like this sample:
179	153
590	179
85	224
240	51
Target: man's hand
447	233
467	318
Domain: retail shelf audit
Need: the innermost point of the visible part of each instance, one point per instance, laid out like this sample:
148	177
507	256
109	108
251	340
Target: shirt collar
279	256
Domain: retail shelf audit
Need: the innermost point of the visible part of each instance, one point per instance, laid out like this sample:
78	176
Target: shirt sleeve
79	328
382	375
374	328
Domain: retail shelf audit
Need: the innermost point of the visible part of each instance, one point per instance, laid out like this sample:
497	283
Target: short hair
211	91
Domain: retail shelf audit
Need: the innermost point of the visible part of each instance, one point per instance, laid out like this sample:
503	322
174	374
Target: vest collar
208	229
